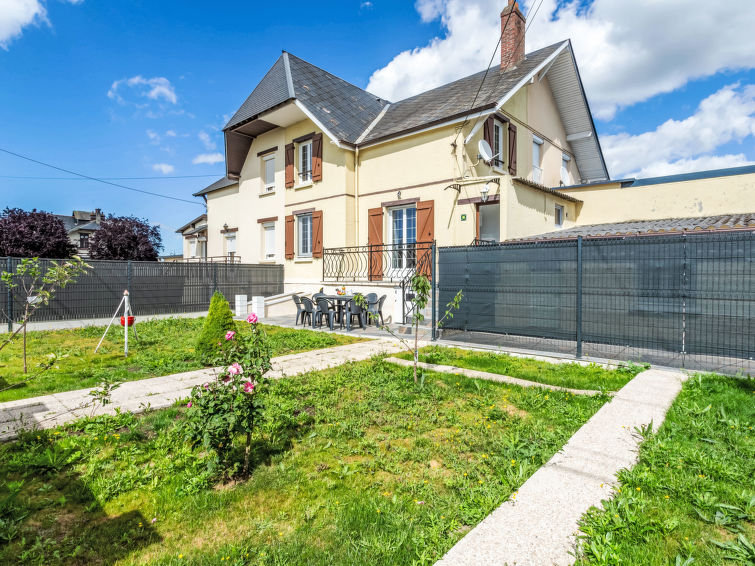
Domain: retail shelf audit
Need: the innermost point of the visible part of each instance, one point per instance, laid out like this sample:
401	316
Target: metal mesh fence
684	300
154	288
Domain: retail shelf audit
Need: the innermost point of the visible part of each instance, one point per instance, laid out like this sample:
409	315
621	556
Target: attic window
498	144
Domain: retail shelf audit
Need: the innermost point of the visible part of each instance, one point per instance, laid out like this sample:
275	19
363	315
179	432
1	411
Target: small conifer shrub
218	323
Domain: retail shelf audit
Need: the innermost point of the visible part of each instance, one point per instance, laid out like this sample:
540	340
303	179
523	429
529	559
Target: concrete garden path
537	527
52	410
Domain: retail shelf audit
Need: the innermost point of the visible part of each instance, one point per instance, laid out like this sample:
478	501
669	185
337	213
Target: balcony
385	262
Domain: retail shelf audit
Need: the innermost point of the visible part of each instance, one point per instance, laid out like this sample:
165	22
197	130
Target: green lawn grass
165	346
691	497
355	465
572	375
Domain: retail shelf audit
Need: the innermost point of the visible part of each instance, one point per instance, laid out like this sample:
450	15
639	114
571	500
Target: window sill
267	261
304	185
500	170
267	193
303	260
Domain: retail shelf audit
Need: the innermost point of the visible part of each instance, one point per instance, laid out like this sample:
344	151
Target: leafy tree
218	323
33	234
126	237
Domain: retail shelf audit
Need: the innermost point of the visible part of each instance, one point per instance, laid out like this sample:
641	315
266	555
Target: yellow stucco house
345	188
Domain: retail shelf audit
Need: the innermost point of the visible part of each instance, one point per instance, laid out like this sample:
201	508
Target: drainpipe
356	196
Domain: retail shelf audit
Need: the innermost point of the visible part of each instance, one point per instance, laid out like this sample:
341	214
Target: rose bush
220	411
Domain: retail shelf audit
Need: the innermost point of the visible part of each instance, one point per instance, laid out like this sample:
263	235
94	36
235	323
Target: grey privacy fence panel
686	300
155	288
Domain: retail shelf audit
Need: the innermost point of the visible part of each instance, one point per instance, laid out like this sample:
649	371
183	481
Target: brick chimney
512	36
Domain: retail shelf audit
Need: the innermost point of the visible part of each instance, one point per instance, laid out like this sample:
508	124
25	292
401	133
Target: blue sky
143	88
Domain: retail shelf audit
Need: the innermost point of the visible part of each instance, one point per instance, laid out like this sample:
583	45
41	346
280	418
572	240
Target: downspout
356	196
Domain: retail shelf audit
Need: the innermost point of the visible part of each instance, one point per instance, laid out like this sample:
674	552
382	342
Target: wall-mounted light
225	226
484	191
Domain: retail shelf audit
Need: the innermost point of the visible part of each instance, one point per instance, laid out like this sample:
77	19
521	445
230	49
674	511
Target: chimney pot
512	36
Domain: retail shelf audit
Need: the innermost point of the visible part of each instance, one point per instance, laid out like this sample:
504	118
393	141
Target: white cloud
206	140
678	146
626	51
366	5
163	168
156	88
208	158
171	133
15	15
153	136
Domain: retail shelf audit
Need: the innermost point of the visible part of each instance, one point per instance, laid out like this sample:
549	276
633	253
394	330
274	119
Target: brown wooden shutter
512	148
317	157
425	233
488	132
317	233
290	237
375	242
289	165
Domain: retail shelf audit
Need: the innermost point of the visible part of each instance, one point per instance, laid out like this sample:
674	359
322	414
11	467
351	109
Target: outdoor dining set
344	310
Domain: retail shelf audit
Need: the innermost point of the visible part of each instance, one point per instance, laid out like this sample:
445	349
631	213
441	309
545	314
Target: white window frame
268	184
498	138
565	177
405	257
230	238
537	168
305	175
305	219
559	213
193	245
267	253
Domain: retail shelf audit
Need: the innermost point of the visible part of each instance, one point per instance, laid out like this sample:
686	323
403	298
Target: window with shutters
537	170
268	241
268	170
498	147
305	162
304	235
403	236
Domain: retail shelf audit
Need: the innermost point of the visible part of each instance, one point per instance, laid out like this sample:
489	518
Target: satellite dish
483	148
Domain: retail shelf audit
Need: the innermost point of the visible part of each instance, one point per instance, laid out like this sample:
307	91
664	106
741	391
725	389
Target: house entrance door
489	221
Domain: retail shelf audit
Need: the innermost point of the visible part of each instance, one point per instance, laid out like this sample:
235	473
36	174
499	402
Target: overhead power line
107	178
99	180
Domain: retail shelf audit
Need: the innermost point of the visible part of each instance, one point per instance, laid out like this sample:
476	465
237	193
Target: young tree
33	234
126	237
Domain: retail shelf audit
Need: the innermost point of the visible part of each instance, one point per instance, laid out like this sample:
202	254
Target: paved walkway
477	374
50	411
538	527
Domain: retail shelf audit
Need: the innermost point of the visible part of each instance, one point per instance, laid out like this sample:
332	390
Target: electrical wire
495	51
107	178
99	180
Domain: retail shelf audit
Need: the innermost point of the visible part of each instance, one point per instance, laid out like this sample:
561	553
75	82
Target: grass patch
165	346
690	499
576	376
354	465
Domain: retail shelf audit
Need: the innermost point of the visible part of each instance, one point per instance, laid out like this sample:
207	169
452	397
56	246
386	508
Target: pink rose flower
205	385
229	335
252	318
154	520
189	404
234	369
248	387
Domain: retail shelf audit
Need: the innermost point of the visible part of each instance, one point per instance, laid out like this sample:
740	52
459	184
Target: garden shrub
221	410
218	322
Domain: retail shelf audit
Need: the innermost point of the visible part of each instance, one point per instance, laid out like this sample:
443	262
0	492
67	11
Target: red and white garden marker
128	319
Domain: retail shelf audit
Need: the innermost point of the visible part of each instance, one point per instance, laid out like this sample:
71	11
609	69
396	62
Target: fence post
433	282
214	278
579	297
9	298
128	277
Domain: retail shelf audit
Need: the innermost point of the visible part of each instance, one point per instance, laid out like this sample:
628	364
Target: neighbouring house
194	238
80	225
345	188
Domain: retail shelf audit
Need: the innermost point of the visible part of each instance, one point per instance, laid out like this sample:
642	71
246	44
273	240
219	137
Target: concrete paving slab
477	374
538	526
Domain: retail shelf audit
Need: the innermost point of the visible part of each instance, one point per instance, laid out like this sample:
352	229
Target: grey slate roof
663	226
344	109
72	225
455	99
190	222
221	183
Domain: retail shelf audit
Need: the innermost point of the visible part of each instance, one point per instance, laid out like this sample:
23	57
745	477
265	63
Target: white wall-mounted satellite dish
483	148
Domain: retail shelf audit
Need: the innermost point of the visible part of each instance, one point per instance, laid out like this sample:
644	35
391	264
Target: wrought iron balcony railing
385	262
